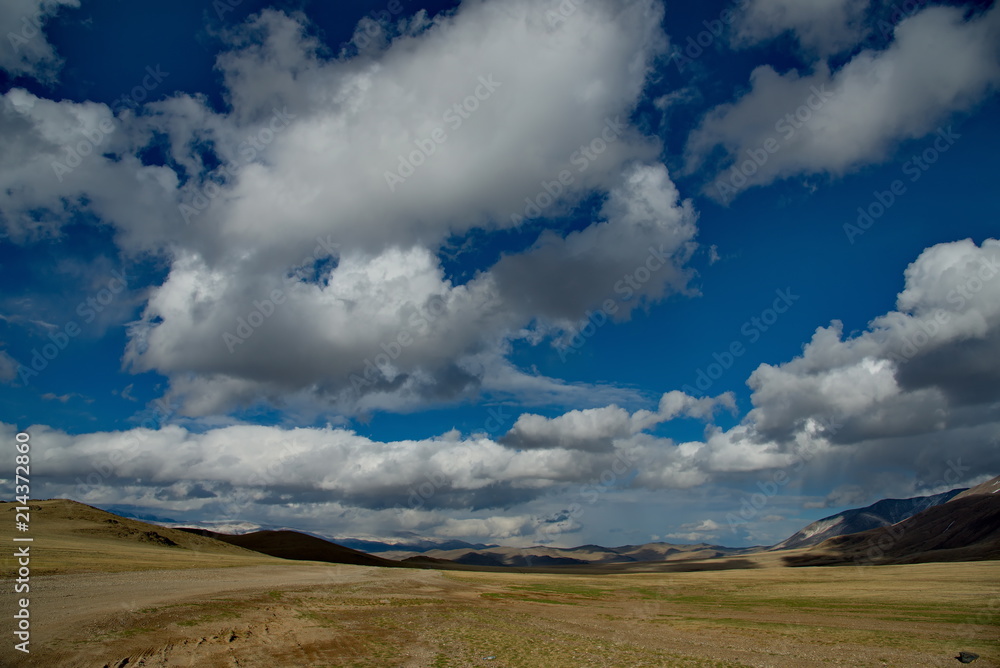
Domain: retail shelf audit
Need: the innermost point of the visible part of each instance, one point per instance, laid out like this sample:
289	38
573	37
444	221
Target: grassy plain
307	614
107	593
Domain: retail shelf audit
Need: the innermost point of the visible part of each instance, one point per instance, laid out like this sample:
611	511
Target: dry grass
70	537
310	615
111	601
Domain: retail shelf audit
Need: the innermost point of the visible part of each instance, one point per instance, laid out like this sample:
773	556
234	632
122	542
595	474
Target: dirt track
313	615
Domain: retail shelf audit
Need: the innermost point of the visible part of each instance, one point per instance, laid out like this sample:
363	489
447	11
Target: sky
504	271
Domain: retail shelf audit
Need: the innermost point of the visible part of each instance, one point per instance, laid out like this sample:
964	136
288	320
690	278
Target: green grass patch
514	596
208	618
565	590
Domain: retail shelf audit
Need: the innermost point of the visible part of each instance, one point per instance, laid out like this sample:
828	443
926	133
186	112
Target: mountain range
962	524
964	528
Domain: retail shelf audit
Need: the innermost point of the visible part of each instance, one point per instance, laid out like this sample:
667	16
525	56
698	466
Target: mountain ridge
965	528
884	512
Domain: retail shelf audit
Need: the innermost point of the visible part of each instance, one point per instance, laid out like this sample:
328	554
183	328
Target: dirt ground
307	614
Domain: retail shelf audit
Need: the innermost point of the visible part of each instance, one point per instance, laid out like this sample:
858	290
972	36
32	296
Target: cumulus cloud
63	157
304	271
367	319
822	26
923	367
598	429
494	527
644	228
871	401
593	429
697	531
26	51
448	484
831	122
918	385
314	465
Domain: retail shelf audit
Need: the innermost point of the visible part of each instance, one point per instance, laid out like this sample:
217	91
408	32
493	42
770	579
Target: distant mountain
540	555
880	514
966	528
295	545
417	545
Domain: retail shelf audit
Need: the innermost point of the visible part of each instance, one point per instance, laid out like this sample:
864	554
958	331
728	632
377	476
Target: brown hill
74	537
286	544
967	528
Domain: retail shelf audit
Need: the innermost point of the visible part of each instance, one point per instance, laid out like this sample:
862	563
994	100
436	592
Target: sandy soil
326	615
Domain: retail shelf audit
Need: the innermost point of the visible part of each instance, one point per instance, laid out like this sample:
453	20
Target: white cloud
914	370
379	327
593	429
834	122
26	51
646	231
704	525
598	429
53	161
919	386
8	367
821	26
368	320
495	527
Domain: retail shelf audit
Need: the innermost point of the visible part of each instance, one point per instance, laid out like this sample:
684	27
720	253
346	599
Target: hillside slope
286	544
880	514
966	528
73	537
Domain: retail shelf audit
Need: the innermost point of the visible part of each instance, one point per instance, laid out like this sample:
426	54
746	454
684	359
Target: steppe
105	593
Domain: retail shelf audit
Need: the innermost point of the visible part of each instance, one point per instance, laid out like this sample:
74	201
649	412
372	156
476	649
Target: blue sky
512	272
